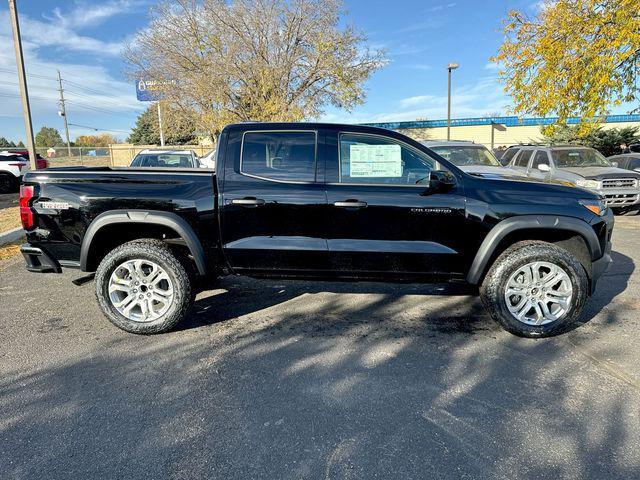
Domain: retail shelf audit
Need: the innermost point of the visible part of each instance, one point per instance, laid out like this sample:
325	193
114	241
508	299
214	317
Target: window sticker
375	161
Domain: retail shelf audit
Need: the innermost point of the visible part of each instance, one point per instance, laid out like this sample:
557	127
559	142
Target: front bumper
599	267
38	260
620	197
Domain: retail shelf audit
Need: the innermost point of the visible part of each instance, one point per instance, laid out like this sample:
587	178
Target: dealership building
494	132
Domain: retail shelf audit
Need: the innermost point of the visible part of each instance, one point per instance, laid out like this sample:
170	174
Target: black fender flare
166	219
526	222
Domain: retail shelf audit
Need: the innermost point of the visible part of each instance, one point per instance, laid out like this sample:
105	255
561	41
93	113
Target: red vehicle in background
41	162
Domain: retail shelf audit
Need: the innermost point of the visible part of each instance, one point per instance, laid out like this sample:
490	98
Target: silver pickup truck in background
582	166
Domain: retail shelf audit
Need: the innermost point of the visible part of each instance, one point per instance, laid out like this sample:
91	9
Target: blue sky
83	39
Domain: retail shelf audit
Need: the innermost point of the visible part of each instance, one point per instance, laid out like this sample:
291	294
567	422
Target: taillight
42	163
26	214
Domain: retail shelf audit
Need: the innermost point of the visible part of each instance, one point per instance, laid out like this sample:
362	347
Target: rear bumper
38	260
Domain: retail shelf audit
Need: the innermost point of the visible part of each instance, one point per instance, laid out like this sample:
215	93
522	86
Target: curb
11	236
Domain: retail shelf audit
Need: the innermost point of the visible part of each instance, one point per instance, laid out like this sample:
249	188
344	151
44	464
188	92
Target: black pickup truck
318	201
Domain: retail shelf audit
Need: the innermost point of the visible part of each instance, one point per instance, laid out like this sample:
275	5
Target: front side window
466	156
283	156
541	158
379	160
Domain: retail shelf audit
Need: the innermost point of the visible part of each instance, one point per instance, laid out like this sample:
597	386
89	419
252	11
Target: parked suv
581	166
166	158
469	157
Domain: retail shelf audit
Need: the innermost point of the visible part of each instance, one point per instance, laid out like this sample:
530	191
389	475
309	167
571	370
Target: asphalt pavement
290	380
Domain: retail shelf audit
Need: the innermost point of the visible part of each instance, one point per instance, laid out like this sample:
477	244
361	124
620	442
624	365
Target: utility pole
452	66
22	80
160	125
63	113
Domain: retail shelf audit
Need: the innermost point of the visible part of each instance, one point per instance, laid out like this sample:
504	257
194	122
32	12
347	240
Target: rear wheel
535	289
8	183
142	287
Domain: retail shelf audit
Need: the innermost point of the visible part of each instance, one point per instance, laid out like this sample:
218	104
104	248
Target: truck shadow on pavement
306	382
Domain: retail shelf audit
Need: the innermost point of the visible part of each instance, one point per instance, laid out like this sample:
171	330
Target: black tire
158	252
8	183
517	256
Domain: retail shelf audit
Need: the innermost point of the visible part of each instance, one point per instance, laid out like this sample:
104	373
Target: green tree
48	137
4	143
577	57
179	128
607	141
20	144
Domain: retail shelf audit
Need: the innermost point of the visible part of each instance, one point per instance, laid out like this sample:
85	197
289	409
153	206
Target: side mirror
615	164
543	167
440	181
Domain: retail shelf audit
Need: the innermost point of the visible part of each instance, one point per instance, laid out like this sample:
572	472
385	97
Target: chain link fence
74	156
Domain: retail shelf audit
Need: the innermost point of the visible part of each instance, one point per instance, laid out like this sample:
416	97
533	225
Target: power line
99	129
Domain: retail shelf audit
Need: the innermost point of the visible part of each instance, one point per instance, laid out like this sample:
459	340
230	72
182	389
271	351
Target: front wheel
535	289
142	287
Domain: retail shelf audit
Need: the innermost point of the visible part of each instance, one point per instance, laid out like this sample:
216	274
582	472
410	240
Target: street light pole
452	66
22	80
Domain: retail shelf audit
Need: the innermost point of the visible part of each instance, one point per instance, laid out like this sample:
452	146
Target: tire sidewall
493	295
174	269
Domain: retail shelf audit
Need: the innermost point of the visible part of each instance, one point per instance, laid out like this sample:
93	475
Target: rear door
383	219
273	203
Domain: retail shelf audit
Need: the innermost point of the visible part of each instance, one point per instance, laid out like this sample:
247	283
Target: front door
272	204
383	217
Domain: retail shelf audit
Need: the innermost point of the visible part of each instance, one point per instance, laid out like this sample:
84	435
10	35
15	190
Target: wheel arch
573	234
139	223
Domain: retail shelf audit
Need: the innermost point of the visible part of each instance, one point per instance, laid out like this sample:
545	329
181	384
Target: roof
159	151
509	121
451	143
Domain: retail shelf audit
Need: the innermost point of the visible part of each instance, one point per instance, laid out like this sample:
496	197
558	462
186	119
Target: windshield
579	157
462	156
173	160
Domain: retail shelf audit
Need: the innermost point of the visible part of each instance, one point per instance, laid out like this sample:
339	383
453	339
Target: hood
601	173
490	171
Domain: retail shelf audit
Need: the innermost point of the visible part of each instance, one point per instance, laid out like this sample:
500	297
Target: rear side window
283	156
508	155
523	158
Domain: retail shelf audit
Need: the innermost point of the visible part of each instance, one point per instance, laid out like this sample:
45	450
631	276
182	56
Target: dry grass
10	250
9	218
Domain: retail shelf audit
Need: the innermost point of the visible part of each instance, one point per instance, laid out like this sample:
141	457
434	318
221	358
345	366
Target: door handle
248	202
350	204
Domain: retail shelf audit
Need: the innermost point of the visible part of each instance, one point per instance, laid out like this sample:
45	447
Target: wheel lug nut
141	296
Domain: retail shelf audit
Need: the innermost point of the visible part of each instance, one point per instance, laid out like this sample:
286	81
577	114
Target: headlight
596	206
593	184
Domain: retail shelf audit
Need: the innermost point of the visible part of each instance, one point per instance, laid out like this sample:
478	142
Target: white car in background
12	168
209	160
157	158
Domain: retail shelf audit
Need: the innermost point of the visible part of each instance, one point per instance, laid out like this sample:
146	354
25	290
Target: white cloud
84	14
45	34
439	8
473	100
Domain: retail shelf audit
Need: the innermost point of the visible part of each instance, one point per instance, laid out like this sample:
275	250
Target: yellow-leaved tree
577	57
